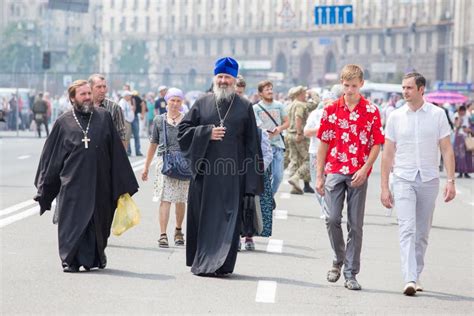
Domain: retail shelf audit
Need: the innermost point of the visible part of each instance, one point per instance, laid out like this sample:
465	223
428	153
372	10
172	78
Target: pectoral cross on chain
86	141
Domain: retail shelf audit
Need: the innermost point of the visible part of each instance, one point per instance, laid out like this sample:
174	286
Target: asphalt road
285	275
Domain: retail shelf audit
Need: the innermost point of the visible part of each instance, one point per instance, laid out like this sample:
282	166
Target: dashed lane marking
24	157
285	195
275	246
266	291
281	214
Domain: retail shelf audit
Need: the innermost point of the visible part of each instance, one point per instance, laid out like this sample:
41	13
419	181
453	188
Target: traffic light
46	60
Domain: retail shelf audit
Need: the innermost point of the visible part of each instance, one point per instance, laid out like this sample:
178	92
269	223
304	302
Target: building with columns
184	37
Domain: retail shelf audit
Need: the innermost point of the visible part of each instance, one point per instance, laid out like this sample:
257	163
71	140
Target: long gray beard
85	107
223	94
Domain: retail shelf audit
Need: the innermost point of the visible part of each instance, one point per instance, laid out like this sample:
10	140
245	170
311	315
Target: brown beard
84	107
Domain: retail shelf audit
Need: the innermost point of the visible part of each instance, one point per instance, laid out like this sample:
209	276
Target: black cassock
86	182
223	172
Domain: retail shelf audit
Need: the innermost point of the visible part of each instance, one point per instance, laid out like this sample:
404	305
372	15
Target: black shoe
70	268
103	263
139	155
274	205
466	175
307	188
460	175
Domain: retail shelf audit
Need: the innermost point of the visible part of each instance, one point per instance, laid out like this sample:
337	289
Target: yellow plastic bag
126	215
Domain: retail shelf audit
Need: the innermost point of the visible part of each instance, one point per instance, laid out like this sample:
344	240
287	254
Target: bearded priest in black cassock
219	138
84	166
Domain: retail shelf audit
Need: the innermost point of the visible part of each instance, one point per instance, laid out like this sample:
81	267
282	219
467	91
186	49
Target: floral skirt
169	189
266	204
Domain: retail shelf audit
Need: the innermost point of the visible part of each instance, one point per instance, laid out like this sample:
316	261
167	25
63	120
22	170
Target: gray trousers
336	187
414	203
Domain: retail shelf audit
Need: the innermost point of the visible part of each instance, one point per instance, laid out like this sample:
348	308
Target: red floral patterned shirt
350	135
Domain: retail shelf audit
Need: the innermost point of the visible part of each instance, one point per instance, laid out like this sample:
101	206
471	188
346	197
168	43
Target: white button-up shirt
416	136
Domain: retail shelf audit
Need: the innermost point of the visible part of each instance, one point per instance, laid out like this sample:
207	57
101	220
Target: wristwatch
450	180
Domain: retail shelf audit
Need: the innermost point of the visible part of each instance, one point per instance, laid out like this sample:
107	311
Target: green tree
19	50
85	57
132	57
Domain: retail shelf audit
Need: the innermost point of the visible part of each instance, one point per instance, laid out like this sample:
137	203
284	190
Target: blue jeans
277	168
136	136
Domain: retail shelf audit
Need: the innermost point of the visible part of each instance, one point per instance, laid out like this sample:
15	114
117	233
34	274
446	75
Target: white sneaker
410	289
419	286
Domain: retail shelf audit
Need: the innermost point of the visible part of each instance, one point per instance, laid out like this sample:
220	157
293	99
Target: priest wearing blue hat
218	136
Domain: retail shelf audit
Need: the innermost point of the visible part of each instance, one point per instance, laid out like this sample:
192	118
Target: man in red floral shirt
351	134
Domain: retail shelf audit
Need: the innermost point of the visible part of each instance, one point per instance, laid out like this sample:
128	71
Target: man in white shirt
128	109
412	136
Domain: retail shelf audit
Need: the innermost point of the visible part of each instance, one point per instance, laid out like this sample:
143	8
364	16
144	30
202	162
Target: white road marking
24	214
138	162
281	214
24	157
266	291
275	245
11	219
16	207
285	195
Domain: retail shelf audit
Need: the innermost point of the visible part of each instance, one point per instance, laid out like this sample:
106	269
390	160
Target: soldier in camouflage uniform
298	143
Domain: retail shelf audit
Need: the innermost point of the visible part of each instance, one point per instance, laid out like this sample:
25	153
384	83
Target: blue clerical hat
226	65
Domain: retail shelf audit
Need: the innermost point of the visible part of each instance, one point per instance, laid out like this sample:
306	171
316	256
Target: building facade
388	38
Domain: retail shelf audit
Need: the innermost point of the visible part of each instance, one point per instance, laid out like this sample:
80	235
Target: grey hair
93	77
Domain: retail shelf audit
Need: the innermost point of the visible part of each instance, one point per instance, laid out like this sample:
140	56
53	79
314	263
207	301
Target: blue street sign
453	86
333	14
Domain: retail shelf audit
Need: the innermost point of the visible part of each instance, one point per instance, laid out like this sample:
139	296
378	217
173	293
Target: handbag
126	216
174	164
252	222
469	141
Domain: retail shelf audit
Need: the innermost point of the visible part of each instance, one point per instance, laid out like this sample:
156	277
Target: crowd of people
222	161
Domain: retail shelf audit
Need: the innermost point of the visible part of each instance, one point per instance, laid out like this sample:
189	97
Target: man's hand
145	174
218	133
449	192
320	185
359	178
386	198
276	131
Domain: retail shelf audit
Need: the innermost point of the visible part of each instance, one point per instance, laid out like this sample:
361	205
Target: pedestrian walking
84	166
413	135
264	199
139	107
128	112
462	130
160	102
351	134
40	114
272	117
99	92
168	190
311	130
298	143
219	137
